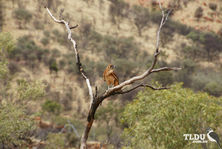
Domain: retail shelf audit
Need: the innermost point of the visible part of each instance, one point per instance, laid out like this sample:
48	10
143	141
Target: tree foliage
30	90
51	106
160	118
141	18
15	125
6	45
22	16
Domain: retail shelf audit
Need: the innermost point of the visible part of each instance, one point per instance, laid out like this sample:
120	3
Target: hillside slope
121	32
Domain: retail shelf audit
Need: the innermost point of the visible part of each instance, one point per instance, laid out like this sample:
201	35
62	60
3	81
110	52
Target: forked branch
142	85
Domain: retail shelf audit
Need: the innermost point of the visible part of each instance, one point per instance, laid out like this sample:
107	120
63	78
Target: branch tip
73	27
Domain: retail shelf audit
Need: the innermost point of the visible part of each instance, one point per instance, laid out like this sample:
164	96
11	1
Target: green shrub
3	70
119	47
100	67
86	28
45	41
27	50
207	80
192	52
198	13
124	68
46	33
61	140
184	75
53	65
56	32
30	90
15	125
171	112
72	140
13	67
52	107
214	88
71	65
6	45
22	16
165	78
156	17
55	141
141	18
199	80
194	36
56	53
38	25
67	101
61	38
211	44
213	6
173	26
62	64
118	8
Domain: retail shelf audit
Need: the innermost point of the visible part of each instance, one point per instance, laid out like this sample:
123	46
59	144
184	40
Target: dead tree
95	99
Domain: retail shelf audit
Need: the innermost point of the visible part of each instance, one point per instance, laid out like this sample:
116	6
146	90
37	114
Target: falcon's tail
117	83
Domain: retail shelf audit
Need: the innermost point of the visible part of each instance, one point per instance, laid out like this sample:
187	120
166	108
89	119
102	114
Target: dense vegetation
171	114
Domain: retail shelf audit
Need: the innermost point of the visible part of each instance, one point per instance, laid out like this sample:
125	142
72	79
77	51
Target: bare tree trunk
85	134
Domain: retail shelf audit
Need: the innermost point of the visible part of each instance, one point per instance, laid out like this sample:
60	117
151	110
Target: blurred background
44	100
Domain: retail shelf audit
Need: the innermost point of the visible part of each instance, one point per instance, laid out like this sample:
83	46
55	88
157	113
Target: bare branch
156	53
78	63
73	27
142	85
165	69
163	21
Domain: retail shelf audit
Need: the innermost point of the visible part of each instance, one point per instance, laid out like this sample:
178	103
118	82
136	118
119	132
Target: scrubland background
41	90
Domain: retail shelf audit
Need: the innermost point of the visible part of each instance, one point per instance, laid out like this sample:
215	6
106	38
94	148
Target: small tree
198	13
22	17
6	47
15	126
213	6
141	18
118	9
30	90
171	114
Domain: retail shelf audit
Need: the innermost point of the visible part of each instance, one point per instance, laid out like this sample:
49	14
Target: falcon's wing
214	136
115	76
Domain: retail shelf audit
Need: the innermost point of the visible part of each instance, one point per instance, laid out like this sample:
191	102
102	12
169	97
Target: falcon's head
111	66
